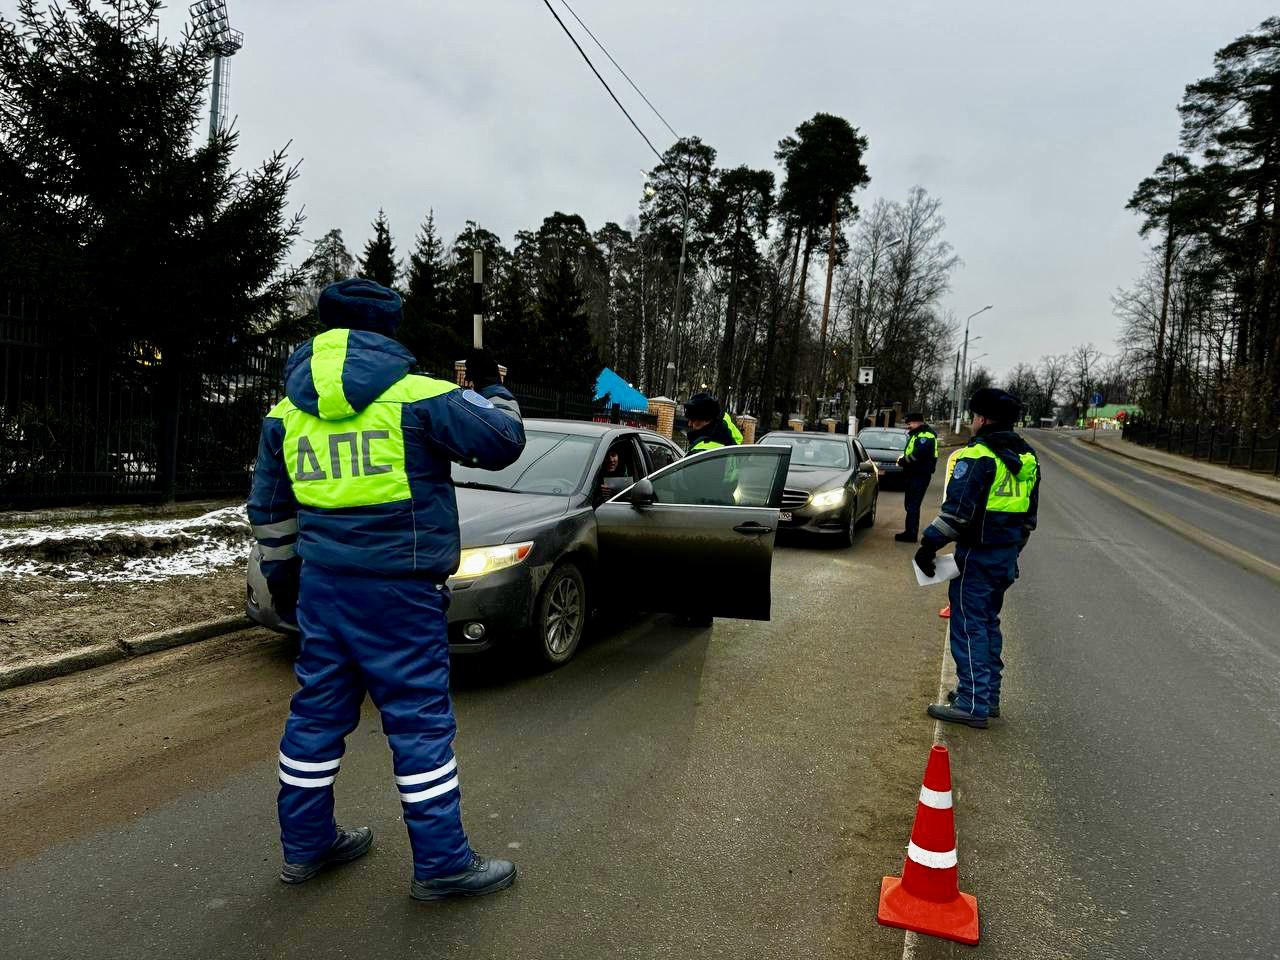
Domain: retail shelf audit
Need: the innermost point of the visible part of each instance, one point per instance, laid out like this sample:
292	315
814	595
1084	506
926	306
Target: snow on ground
128	551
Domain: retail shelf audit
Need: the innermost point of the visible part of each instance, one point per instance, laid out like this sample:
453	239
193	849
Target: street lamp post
964	361
855	337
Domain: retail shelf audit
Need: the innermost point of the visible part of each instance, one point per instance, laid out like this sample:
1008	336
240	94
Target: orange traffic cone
945	612
927	897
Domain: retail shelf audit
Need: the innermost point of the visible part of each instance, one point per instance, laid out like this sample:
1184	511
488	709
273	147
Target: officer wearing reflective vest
918	461
990	510
352	486
709	426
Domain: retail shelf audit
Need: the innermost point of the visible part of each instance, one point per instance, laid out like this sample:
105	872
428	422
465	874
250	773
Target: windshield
883	439
551	463
810	451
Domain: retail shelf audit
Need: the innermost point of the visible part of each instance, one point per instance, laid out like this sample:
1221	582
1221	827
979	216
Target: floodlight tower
213	29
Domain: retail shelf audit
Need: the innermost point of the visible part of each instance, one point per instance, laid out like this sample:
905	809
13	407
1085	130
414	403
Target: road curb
62	664
1268	499
1227	551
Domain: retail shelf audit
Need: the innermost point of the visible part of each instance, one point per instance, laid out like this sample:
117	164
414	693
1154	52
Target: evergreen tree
427	331
114	208
379	262
565	354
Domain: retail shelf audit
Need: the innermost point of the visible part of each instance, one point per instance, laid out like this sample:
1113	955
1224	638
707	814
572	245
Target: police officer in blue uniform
352	500
992	499
918	461
710	427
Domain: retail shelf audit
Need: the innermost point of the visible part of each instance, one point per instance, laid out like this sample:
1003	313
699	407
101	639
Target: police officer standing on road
352	483
918	462
990	510
709	426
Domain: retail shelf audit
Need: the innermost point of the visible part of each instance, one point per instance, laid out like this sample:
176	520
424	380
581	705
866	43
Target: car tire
869	518
560	617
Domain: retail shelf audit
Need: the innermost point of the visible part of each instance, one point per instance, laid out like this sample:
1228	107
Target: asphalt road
733	792
1126	804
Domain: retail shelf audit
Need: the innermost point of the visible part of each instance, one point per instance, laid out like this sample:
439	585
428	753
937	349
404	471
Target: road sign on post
1096	399
866	375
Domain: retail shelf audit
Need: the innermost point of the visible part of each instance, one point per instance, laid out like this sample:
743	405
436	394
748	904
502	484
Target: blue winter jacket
353	467
993	494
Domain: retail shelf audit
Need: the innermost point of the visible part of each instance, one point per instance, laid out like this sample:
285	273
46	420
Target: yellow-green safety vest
1008	493
911	444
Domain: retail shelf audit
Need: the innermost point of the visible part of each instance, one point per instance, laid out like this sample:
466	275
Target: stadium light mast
213	30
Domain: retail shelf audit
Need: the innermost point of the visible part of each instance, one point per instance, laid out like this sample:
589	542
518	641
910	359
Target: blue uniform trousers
387	636
917	485
976	643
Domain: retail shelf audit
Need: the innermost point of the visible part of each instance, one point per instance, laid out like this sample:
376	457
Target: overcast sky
1032	121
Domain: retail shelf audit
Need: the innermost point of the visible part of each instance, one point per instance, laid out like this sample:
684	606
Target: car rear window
810	451
883	439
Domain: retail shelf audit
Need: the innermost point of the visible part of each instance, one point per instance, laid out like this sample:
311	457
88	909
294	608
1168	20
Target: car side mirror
642	494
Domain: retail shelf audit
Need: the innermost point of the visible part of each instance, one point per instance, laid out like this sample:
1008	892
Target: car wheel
869	520
561	615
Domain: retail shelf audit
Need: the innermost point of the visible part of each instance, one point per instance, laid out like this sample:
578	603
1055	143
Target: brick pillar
459	371
747	424
830	425
664	409
795	423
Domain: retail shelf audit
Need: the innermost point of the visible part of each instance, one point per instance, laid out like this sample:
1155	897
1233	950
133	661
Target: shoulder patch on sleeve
962	467
474	398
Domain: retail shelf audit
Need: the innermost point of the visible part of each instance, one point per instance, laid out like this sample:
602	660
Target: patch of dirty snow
128	551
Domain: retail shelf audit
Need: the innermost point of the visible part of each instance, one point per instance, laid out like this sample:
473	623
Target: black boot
942	711
482	876
905	537
349	845
994	712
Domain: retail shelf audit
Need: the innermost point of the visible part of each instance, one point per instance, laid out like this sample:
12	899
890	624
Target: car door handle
751	527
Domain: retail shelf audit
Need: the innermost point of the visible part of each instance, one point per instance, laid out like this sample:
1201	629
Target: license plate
784	515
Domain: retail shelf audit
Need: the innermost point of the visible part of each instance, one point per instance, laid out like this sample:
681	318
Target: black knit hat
999	406
913	416
359	304
702	406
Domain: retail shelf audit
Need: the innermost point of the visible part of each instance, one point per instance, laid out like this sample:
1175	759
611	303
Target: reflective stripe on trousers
977	596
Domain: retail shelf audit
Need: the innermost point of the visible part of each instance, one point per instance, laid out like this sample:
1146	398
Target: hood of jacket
1006	445
338	373
716	430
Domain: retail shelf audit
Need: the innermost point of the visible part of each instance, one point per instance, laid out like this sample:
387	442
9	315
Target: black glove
482	369
924	559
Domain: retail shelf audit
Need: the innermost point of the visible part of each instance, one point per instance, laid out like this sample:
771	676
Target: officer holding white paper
993	496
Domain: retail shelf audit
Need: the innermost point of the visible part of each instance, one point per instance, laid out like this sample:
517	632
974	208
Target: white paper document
944	569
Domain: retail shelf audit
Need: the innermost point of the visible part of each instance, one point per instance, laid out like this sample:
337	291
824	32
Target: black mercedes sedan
832	487
596	514
886	445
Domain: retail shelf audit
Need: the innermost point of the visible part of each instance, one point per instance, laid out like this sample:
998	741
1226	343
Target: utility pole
955	389
855	343
477	299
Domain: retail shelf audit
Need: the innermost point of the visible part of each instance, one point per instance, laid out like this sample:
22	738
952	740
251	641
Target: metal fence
77	426
1246	448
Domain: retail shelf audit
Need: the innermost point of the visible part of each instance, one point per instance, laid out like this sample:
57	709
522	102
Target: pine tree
379	262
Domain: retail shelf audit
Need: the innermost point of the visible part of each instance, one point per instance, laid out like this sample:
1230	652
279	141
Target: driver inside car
616	475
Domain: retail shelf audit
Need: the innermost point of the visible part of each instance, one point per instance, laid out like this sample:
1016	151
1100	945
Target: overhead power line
603	82
620	70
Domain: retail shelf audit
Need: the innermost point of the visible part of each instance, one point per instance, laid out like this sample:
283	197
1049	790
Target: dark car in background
886	445
832	487
556	534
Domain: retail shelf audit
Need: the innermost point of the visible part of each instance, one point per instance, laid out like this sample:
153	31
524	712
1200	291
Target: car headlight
479	561
827	499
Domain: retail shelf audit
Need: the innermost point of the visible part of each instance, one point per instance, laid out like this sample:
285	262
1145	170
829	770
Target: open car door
696	537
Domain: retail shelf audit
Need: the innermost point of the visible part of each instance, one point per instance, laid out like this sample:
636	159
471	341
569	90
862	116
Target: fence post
1213	430
615	413
1195	442
1253	444
169	398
